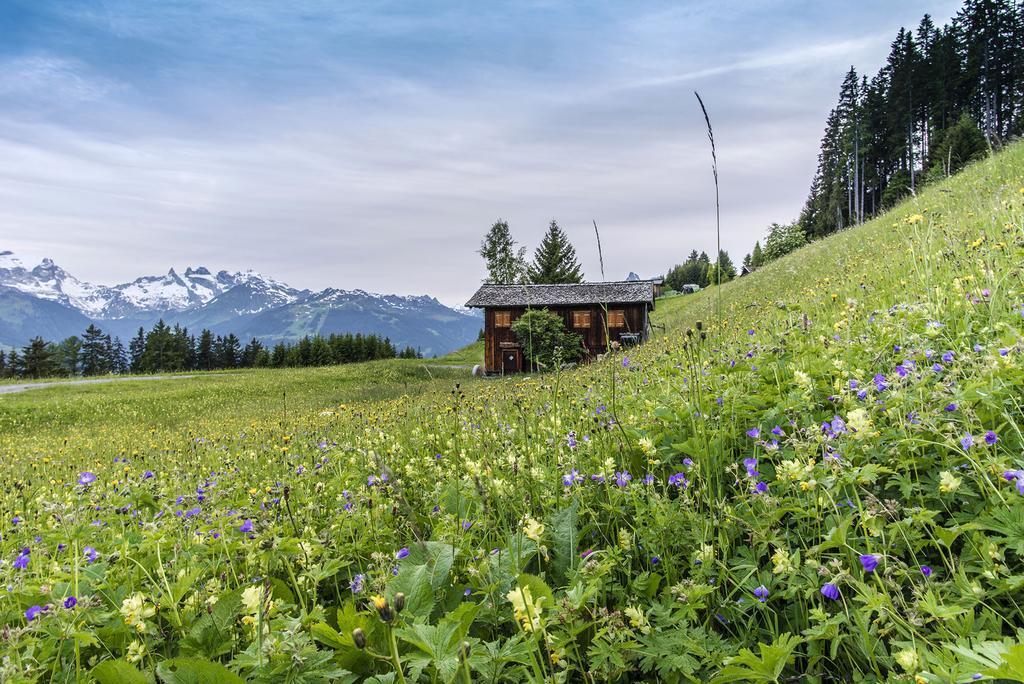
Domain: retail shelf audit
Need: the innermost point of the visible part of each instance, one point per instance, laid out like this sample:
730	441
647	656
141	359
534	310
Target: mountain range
48	301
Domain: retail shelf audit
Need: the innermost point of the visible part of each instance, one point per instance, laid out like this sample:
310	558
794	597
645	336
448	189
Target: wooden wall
500	340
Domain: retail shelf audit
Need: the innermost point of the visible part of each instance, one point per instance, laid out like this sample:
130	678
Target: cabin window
616	318
581	319
502	319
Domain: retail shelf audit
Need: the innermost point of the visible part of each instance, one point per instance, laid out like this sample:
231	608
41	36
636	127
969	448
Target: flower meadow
827	484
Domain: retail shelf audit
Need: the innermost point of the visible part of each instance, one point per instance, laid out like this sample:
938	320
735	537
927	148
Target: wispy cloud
847	50
53	78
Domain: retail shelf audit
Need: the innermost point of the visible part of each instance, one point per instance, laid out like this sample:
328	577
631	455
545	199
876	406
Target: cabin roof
569	294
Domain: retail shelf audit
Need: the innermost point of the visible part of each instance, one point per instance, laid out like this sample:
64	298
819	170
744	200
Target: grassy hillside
825	478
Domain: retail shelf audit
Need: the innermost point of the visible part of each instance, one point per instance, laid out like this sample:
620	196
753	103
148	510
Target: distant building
582	308
747	270
691	288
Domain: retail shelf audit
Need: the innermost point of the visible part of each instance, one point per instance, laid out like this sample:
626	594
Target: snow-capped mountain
51	282
246	303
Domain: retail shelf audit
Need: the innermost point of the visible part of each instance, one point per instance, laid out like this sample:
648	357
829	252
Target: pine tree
93	356
554	261
757	257
38	359
66	355
118	358
230	351
204	351
14	365
136	350
505	263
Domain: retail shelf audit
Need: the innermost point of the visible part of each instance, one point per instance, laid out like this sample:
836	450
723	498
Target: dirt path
12	389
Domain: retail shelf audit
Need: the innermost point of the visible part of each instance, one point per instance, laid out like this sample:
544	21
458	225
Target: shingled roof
621	292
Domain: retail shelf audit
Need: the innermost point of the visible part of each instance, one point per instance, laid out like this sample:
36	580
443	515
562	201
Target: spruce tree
554	261
39	359
505	263
757	257
93	356
136	351
118	358
204	351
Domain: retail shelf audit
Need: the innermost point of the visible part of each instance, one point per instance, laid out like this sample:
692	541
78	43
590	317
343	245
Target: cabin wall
501	340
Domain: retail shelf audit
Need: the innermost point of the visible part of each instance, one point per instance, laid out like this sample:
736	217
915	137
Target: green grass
214	398
470	355
263	532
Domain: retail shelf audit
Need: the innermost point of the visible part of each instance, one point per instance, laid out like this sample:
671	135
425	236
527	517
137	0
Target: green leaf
538	589
328	636
117	672
415	583
1012	665
210	636
565	538
439	643
195	671
747	667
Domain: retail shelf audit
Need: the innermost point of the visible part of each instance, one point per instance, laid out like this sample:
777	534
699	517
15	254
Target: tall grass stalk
718	213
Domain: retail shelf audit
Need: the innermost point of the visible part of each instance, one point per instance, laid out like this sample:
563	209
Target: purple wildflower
21	562
622	479
70	602
761	593
678	480
356	585
926	571
86	478
967	441
33	612
830	591
246	526
869	561
402	553
991	438
753	433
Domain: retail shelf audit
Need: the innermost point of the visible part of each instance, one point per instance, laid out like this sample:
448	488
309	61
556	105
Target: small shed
582	306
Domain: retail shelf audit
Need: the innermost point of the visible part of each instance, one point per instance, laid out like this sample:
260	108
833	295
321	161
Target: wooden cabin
582	307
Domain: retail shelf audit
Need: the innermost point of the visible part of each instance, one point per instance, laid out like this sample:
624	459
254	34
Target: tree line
945	97
165	349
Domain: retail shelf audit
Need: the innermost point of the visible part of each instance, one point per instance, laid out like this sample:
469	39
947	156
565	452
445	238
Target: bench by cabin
582	307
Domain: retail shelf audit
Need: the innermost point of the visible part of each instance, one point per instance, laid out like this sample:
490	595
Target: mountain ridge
246	303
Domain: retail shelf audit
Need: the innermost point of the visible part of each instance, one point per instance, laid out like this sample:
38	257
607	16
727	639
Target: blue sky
372	144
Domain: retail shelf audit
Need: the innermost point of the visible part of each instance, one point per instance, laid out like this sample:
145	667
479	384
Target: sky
372	144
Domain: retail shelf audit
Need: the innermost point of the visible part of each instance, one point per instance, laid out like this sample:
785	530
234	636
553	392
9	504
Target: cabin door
511	360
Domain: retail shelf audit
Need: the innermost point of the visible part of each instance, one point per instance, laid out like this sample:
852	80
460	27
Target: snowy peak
49	281
247	303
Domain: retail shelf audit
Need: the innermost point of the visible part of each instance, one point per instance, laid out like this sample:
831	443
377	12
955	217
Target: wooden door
511	360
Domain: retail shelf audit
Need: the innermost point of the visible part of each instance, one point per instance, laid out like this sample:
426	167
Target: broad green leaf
117	672
565	538
195	671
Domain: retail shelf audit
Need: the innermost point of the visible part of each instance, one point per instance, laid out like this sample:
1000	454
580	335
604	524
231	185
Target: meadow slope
823	476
